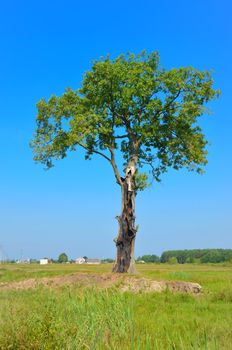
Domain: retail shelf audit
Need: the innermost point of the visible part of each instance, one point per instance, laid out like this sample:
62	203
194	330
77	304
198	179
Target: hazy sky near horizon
46	46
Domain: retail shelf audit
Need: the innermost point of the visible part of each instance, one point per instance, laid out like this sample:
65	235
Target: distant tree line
197	255
107	260
189	256
170	256
148	258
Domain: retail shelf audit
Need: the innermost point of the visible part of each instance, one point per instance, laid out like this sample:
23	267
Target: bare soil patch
123	282
146	285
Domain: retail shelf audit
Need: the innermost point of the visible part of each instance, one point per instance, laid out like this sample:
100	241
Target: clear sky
47	46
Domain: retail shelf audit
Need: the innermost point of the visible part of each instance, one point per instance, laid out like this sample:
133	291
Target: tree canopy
133	105
149	258
63	258
199	255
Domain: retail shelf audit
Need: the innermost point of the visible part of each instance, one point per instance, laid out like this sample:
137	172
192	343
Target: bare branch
111	160
94	151
150	164
121	136
115	168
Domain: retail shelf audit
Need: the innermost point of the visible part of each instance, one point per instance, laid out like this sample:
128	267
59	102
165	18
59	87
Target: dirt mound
146	285
85	279
123	282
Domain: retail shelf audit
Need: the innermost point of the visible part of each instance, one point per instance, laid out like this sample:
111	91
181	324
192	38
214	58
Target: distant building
93	261
27	261
140	262
80	261
44	261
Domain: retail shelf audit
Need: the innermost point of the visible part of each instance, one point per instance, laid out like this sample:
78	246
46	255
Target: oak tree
133	106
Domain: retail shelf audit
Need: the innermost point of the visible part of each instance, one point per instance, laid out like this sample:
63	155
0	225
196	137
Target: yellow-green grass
18	272
74	317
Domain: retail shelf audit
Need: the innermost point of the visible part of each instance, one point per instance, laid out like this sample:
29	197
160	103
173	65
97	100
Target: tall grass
64	319
75	317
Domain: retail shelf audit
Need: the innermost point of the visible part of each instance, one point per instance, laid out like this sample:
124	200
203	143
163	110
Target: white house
80	261
43	261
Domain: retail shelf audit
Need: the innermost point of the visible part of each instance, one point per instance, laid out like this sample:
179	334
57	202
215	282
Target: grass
19	272
74	317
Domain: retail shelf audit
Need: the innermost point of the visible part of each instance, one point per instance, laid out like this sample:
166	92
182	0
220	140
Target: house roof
93	260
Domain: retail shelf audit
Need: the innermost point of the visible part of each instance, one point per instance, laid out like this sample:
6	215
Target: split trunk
125	240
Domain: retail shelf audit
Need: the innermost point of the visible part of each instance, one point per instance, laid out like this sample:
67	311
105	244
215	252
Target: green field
77	317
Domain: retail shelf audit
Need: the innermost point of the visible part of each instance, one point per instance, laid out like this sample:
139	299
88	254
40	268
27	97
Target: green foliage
141	181
132	105
217	255
63	258
200	255
107	260
173	260
149	258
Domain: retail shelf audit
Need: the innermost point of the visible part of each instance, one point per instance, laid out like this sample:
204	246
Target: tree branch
115	168
121	136
148	163
94	151
167	104
111	160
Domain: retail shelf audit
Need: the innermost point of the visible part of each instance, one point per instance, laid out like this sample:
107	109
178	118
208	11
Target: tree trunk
125	240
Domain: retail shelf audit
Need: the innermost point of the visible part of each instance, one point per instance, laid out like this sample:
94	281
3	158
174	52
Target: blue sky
47	46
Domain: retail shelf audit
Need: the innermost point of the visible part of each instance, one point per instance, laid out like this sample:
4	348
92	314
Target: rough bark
125	240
